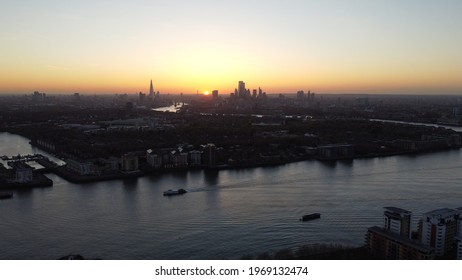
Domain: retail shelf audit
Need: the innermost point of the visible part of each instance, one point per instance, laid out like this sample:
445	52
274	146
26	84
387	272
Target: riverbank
41	180
76	178
261	147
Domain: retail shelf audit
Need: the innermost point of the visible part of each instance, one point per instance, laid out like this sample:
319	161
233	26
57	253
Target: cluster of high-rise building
242	92
152	94
439	235
301	95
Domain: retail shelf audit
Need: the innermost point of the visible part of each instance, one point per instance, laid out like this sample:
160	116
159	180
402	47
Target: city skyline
328	47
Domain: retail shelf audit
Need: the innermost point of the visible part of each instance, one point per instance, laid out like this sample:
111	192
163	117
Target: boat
310	217
175	192
5	195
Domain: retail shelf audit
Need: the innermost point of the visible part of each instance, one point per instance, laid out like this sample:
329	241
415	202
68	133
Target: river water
226	214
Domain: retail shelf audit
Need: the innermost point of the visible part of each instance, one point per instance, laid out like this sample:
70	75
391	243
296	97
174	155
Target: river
226	214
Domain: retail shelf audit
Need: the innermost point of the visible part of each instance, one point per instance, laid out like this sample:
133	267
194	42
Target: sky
329	46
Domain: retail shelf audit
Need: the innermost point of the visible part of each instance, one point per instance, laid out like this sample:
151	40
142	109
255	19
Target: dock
21	174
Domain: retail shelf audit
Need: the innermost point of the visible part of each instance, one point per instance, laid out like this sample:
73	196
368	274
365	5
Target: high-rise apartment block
392	241
384	244
397	220
439	229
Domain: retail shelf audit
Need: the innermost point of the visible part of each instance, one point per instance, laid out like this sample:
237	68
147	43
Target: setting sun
206	93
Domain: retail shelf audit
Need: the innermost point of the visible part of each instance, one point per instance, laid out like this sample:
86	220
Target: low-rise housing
336	151
81	167
24	173
195	158
129	163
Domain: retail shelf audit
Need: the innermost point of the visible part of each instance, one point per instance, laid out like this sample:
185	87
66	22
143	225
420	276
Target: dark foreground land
316	252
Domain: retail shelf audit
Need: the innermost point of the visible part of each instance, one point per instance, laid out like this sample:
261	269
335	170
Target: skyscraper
151	91
438	229
241	89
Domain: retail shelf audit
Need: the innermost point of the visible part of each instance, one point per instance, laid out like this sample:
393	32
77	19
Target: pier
21	174
22	160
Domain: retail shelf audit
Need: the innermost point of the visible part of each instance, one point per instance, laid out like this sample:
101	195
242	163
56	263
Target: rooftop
442	212
397	210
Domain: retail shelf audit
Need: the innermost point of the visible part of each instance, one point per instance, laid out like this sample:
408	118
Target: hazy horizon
338	47
226	94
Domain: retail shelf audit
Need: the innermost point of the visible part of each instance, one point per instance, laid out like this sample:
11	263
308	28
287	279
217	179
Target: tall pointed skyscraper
151	91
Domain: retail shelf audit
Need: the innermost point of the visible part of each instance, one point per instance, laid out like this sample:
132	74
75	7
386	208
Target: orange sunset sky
411	47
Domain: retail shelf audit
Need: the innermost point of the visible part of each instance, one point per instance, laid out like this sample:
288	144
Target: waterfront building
24	173
392	241
459	247
195	158
154	159
454	140
81	167
111	164
46	145
389	245
129	163
210	155
397	220
336	151
179	158
96	166
168	158
215	93
439	229
459	236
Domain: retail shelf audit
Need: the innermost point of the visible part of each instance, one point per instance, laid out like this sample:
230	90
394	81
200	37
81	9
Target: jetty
21	174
